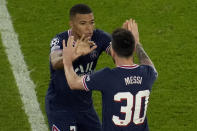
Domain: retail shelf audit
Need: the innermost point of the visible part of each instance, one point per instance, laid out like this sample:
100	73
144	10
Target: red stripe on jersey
84	83
54	128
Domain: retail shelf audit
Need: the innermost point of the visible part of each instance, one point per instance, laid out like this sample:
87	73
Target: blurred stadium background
168	32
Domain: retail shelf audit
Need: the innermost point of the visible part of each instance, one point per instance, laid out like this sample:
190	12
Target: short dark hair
123	42
79	9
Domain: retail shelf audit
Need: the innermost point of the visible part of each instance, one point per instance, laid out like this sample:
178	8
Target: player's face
82	24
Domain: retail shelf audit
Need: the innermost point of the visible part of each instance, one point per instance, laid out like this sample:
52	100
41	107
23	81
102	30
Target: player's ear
112	52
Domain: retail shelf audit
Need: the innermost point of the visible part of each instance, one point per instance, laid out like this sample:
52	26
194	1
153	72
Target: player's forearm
143	56
74	81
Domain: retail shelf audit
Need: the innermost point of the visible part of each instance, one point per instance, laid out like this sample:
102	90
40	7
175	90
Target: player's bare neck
122	61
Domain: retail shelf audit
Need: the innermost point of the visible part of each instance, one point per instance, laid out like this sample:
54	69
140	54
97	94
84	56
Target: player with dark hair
79	9
73	110
126	88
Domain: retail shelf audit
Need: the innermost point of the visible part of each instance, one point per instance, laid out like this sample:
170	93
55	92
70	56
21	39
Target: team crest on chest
94	54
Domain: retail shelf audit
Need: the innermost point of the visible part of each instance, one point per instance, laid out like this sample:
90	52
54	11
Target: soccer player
126	88
73	110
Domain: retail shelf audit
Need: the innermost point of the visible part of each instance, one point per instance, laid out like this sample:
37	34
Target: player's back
125	95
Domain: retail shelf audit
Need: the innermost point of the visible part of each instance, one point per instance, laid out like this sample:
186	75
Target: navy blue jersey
59	96
125	93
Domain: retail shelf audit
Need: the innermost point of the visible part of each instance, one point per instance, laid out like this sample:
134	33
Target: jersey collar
129	66
69	34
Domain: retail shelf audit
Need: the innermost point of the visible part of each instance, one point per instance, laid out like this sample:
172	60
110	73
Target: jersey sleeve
96	81
56	44
150	72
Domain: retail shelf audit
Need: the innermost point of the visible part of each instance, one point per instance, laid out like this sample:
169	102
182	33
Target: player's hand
133	27
125	25
84	46
69	51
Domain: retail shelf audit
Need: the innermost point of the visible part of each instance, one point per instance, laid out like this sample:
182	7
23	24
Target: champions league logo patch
54	42
93	54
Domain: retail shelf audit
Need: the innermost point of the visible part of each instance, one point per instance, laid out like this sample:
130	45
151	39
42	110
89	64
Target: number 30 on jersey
133	108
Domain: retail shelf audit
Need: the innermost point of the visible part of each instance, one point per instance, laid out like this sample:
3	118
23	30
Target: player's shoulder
62	35
101	33
106	69
104	72
56	41
147	69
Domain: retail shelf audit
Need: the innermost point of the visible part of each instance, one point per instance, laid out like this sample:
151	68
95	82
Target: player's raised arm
70	53
143	57
74	81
